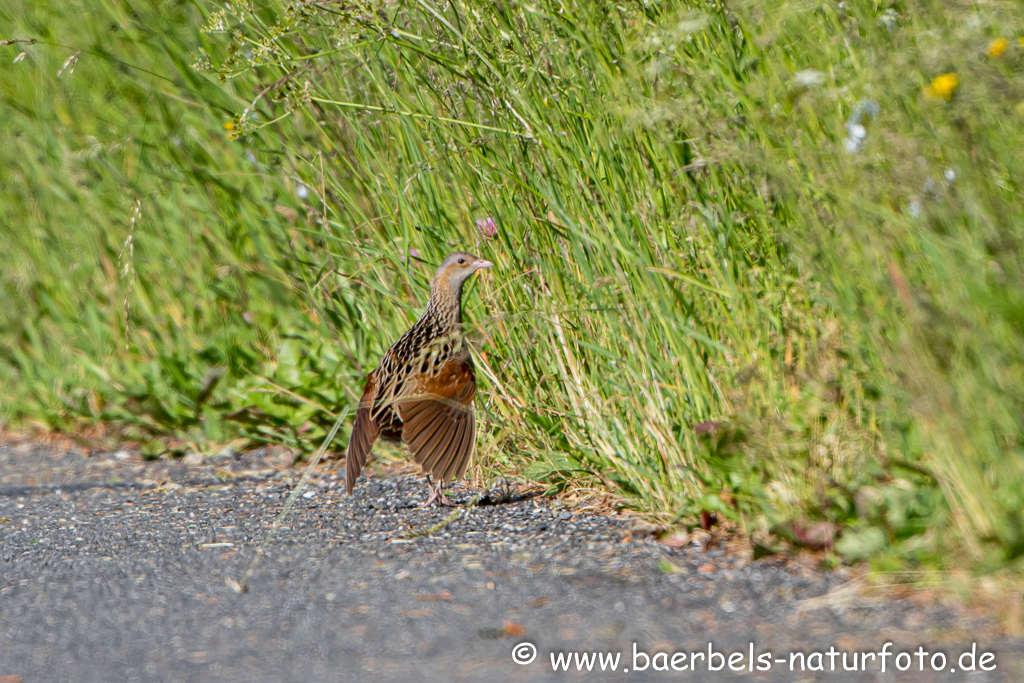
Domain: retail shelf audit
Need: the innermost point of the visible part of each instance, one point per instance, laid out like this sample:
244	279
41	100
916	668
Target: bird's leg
437	495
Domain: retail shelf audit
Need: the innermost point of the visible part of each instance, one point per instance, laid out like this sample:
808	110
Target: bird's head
457	268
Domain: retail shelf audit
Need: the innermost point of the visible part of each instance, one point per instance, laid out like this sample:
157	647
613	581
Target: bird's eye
462	260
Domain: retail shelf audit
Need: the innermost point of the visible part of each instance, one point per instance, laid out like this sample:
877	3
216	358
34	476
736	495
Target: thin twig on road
243	585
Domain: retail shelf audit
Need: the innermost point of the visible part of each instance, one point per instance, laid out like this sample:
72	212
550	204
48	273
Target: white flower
808	78
868	108
914	209
950	174
865	109
889	19
302	191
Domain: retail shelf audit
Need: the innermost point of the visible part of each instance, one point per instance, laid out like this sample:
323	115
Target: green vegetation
769	215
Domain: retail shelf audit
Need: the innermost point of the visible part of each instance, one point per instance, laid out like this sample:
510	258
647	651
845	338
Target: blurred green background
799	220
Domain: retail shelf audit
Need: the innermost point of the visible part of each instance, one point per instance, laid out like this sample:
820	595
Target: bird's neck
445	307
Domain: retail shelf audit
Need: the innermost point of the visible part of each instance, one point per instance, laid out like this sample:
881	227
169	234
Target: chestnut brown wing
364	432
438	422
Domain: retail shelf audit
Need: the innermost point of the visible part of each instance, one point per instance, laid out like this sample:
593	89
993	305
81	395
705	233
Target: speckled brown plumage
422	391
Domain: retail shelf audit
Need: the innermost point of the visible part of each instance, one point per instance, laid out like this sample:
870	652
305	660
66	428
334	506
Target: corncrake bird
421	393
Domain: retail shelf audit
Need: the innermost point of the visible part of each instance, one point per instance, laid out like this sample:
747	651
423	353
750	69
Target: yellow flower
229	125
997	47
943	86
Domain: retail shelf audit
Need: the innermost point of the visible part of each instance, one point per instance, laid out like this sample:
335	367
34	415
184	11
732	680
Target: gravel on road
118	569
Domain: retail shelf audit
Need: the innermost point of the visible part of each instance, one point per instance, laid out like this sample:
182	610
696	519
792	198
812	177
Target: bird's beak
481	263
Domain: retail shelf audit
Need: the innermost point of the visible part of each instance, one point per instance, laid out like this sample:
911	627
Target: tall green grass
252	199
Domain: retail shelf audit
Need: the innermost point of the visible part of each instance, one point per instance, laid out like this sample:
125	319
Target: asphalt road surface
115	569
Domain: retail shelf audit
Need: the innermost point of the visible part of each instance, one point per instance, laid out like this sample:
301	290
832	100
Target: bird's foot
438	498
